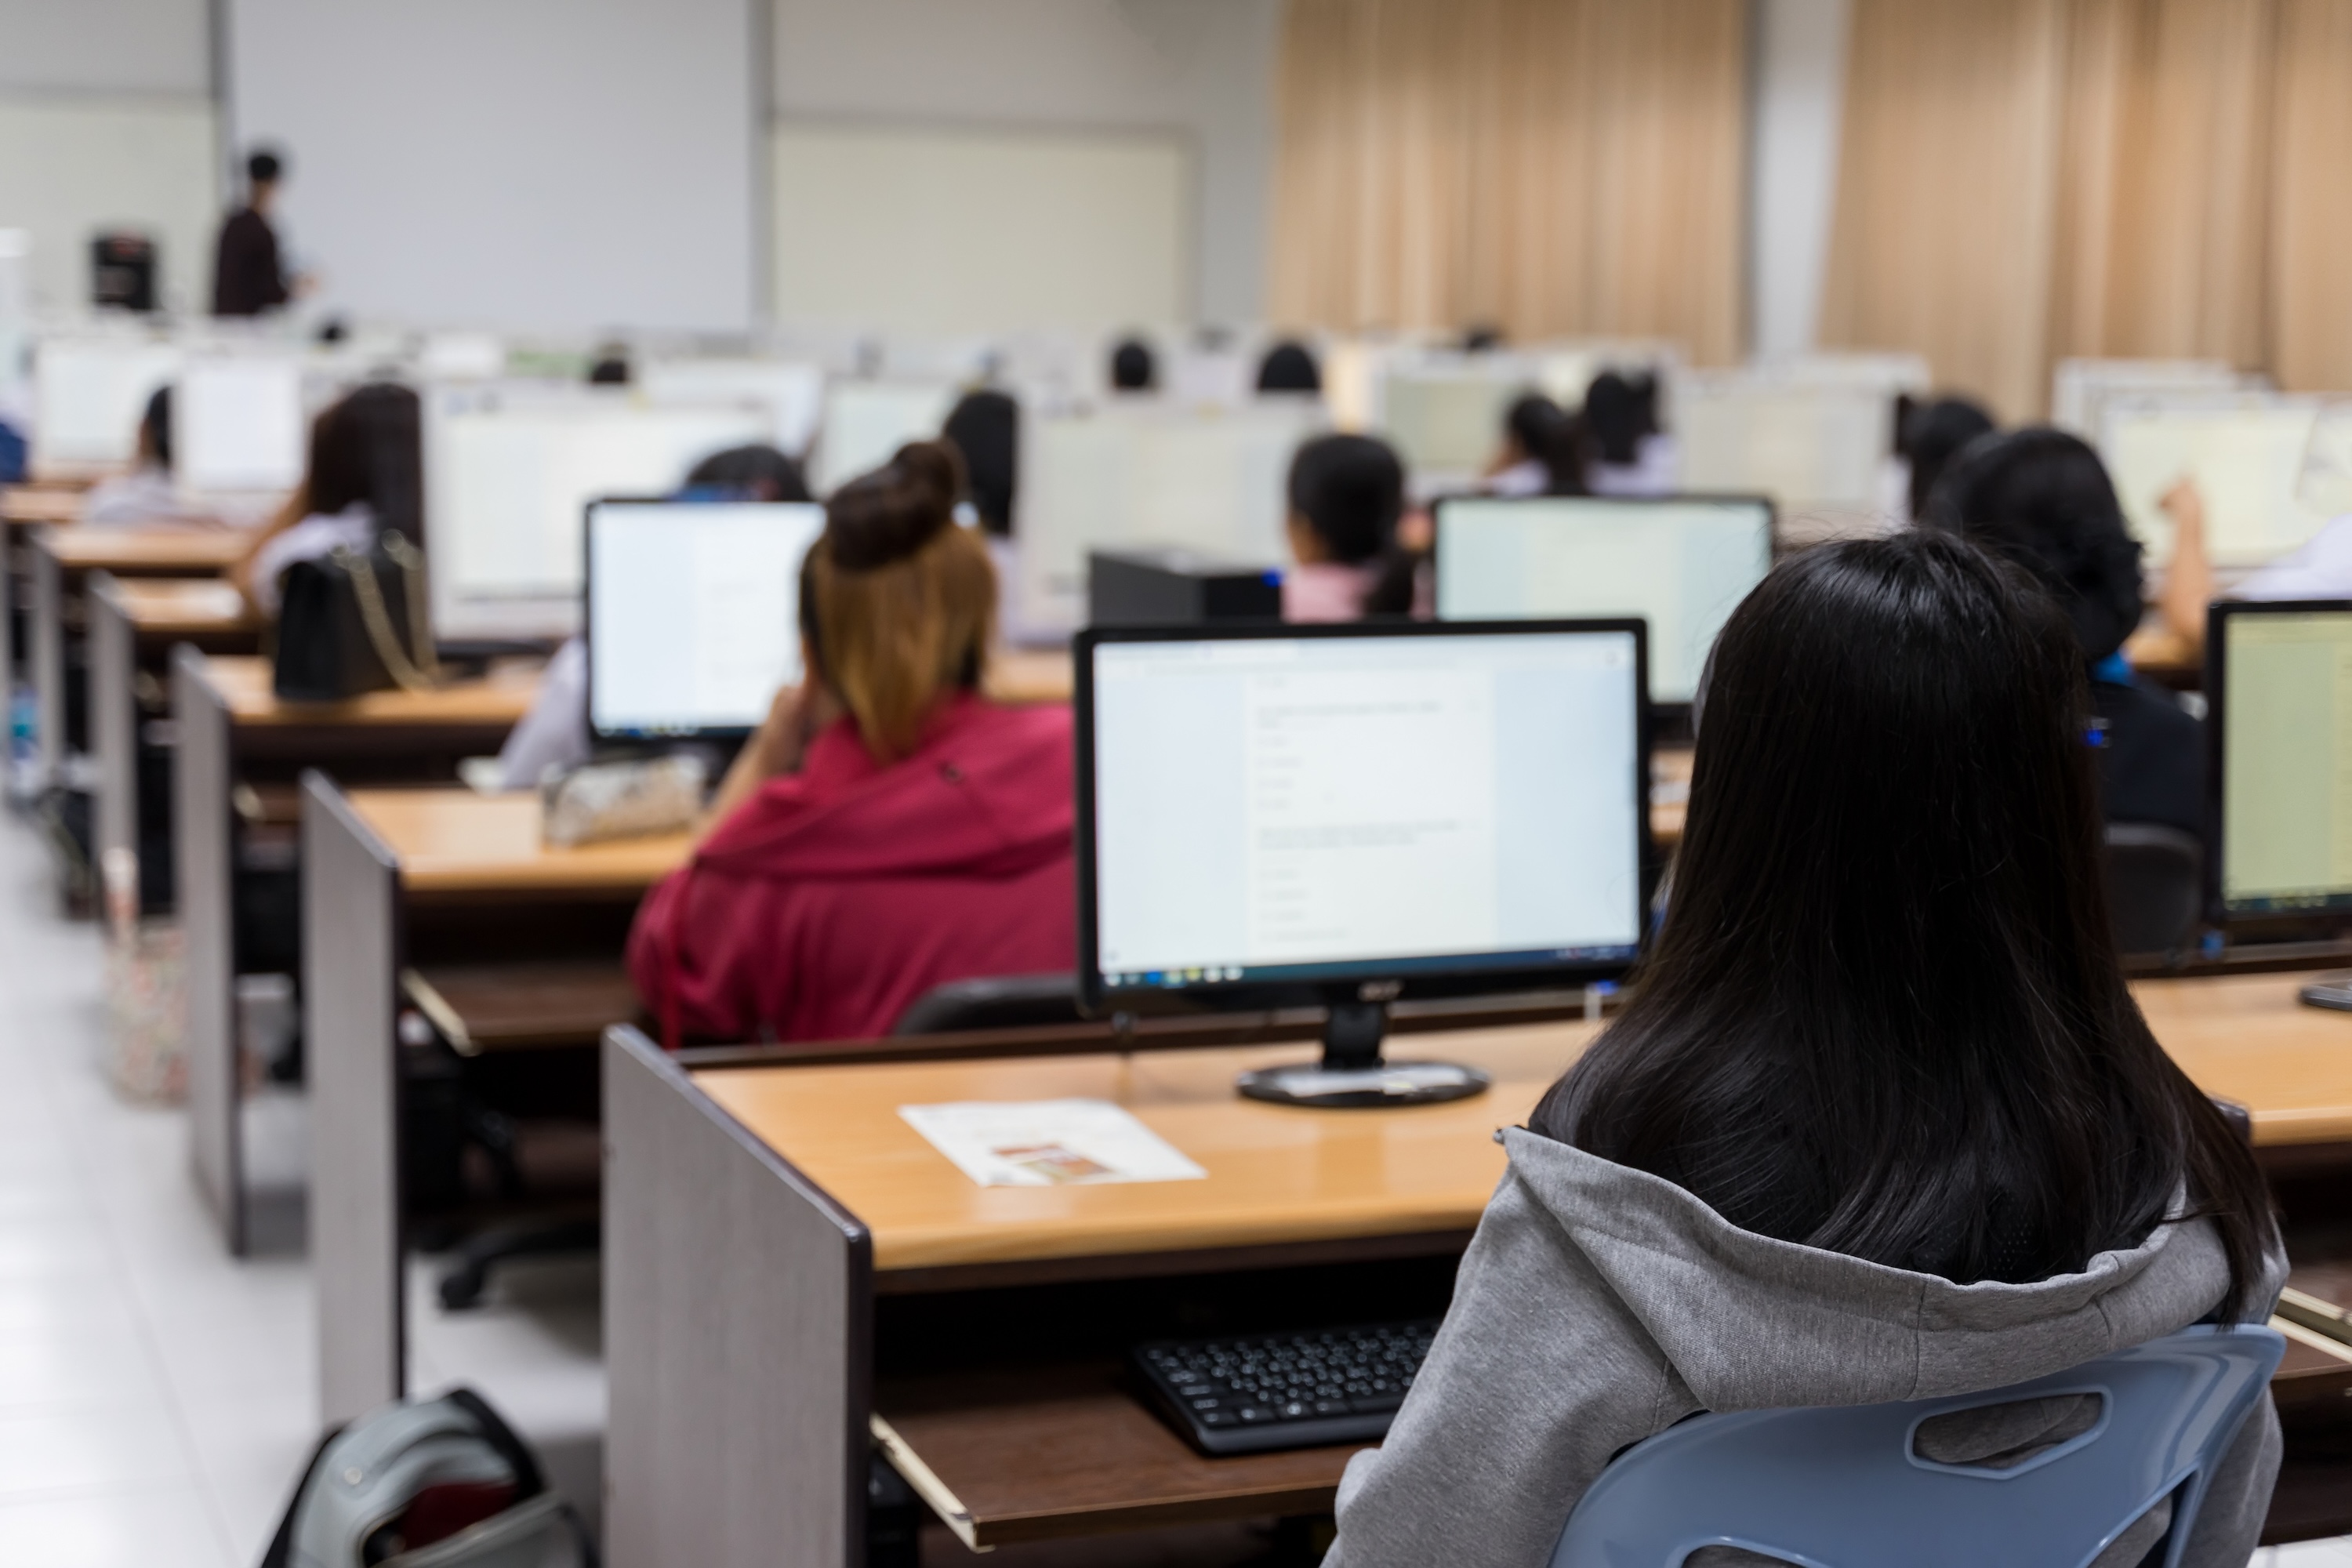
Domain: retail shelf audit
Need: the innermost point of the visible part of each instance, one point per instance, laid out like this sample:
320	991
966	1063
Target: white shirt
314	538
143	499
1656	465
2320	569
554	733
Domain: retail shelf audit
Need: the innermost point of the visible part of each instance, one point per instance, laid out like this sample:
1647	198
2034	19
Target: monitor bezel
1674	715
597	733
2277	925
1245	995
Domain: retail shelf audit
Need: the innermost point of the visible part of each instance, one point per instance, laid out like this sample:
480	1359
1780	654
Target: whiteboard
953	229
72	167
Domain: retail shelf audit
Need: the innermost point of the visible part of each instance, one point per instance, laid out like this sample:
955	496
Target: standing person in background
248	273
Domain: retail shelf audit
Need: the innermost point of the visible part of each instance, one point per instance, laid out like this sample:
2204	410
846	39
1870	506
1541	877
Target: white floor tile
91	1447
116	1530
94	1359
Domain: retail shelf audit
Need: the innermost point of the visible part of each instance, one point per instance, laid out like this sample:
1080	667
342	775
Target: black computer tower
1172	587
122	272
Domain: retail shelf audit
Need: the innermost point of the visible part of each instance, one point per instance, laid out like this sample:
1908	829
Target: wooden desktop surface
1026	675
454	841
1281	1175
28	505
183	606
189	550
244	686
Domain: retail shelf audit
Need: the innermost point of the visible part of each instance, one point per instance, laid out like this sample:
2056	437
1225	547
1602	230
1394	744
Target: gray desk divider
738	1324
203	840
113	718
350	953
48	654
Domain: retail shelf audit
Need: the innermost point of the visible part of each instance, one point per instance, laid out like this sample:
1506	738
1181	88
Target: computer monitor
2279	729
1682	564
1448	421
1283	816
508	473
866	423
1147	474
2081	389
238	425
2245	452
693	614
88	394
791	391
1809	445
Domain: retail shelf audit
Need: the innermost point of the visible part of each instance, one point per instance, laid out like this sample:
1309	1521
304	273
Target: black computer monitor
693	619
1683	564
1275	815
2278	683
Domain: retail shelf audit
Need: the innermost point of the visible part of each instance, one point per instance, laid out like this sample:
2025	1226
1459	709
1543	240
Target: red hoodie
835	896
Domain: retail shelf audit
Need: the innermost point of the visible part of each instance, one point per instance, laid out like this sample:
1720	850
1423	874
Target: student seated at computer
554	734
145	498
888	830
1930	436
1289	367
1346	493
1880	1120
2042	497
365	475
984	428
1134	367
1628	453
1542	451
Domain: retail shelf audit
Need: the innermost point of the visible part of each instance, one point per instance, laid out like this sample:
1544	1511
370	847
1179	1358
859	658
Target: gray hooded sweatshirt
1599	1305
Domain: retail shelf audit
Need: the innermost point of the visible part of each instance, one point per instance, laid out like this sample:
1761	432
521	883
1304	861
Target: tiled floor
155	1394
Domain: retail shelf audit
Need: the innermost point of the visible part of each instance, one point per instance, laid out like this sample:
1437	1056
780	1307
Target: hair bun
892	512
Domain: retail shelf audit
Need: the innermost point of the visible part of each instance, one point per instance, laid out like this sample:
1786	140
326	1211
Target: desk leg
113	720
48	653
202	852
349	967
738	1326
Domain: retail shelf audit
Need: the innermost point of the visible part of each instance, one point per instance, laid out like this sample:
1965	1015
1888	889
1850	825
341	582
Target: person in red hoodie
887	829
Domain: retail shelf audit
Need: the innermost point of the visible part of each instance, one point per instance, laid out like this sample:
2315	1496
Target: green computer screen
2287	762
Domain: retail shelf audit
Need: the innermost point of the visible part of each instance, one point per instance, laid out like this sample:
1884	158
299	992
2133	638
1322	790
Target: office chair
2156	885
1845	1487
995	1002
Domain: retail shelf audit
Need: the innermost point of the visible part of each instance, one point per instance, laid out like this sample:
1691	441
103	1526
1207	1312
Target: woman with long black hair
1880	1119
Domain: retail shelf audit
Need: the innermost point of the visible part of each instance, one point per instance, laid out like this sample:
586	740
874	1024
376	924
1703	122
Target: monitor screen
1279	807
791	391
1448	421
866	423
238	425
1820	444
693	612
2247	456
89	396
2284	715
1682	564
508	475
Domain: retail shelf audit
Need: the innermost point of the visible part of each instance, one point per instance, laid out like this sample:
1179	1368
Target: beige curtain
1551	166
2026	180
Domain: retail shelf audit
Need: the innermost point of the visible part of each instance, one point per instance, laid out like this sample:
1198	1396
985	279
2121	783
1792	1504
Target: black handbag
352	622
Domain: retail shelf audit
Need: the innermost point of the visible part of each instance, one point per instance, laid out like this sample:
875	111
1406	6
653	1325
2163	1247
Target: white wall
1203	68
105	46
547	165
1799	84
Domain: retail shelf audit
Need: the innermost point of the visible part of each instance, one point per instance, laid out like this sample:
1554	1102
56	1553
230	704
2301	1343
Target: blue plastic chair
1842	1487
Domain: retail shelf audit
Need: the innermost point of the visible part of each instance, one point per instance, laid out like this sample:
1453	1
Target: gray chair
995	1002
1848	1487
2156	885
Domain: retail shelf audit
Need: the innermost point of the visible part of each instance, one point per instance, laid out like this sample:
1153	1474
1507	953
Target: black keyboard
1285	1391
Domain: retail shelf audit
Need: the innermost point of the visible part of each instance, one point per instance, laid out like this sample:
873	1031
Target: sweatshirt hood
987	793
1752	1323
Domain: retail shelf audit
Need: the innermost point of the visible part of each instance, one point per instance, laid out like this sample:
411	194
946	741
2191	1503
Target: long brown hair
897	602
1884	1014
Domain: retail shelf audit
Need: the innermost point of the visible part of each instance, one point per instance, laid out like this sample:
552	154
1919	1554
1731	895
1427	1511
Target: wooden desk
792	1272
232	742
31	506
62	557
1019	675
447	900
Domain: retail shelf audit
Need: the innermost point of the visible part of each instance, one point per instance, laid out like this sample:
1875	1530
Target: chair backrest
1846	1487
2155	885
998	1002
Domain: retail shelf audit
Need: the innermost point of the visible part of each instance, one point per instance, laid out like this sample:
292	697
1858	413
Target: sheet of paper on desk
1049	1144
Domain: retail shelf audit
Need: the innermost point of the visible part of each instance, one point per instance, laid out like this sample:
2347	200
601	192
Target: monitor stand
1351	1075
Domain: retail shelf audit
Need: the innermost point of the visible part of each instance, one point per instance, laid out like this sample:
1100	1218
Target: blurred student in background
2041	498
888	830
365	476
1288	368
1930	436
984	428
145	496
554	734
1134	367
1626	453
1541	454
1347	494
248	271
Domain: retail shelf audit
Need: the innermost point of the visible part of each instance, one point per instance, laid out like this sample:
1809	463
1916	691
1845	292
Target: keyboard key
1252	1414
1371	1403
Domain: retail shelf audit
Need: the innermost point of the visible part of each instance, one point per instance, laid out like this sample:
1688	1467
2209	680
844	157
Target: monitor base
1370	1087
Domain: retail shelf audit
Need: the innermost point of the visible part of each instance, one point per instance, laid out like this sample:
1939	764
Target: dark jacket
247	278
2152	761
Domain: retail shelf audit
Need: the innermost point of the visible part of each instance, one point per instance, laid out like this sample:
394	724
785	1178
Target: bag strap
418	674
279	1554
529	1482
